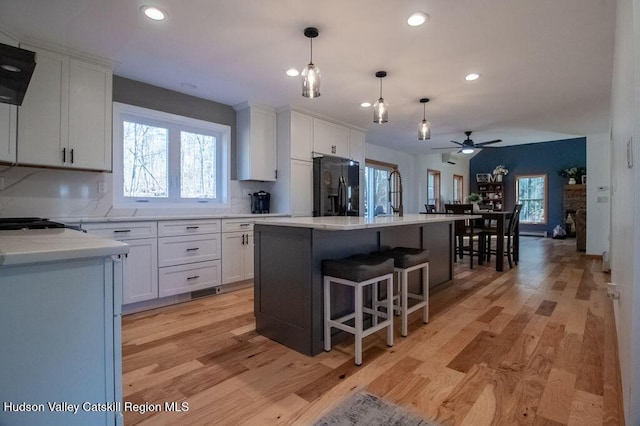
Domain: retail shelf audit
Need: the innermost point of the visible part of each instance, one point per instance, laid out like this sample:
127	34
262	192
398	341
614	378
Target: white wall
625	239
434	162
598	193
54	193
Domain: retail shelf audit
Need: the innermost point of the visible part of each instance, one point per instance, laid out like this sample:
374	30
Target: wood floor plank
532	345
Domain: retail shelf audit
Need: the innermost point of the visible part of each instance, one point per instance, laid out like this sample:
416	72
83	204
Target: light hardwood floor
533	345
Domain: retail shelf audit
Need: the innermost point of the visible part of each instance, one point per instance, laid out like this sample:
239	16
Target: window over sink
167	160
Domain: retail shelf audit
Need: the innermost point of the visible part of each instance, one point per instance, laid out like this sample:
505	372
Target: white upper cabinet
8	121
65	119
356	146
330	138
256	126
301	136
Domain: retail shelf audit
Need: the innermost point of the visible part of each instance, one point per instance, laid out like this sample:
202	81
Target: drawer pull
193	249
245	224
193	227
194	277
121	231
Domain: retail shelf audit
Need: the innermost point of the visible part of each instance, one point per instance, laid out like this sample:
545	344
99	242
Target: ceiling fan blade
450	147
457	143
489	142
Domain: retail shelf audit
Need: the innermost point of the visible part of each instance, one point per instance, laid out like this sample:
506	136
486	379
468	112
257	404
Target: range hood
16	68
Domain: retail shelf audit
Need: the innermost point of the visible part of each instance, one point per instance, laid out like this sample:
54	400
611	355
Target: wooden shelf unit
492	193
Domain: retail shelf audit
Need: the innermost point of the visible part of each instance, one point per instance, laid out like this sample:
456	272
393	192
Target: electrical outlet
101	187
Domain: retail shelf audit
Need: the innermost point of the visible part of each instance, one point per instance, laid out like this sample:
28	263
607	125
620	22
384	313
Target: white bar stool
357	272
406	260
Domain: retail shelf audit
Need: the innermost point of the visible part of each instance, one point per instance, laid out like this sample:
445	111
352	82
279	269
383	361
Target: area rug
363	408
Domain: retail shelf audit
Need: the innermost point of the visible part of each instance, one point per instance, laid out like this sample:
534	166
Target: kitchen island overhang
288	265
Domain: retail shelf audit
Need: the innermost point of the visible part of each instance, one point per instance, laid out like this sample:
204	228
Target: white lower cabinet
141	264
237	250
188	256
190	277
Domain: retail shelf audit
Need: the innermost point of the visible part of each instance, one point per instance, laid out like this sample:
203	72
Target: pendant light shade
381	108
311	73
424	128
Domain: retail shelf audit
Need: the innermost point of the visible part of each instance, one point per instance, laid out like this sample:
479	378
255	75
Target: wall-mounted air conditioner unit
449	158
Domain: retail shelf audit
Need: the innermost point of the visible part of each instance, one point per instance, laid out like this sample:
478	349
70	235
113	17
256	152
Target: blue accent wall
535	158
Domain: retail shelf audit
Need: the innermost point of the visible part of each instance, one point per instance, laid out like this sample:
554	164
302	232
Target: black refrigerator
336	186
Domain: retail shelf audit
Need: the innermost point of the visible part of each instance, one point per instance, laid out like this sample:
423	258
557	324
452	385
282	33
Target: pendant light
424	128
311	73
381	108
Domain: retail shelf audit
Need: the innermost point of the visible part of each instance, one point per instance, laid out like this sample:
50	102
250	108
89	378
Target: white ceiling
546	65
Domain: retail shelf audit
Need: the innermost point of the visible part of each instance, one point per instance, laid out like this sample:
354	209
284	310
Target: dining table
501	219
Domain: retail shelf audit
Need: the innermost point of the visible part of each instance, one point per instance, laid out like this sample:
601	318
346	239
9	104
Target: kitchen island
289	254
60	297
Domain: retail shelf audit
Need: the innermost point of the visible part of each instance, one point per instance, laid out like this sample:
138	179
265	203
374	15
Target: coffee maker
260	202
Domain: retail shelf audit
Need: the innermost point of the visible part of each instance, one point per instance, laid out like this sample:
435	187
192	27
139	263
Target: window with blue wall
535	158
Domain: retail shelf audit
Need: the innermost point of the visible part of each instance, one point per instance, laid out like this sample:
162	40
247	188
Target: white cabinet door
89	116
190	277
141	271
301	136
256	143
356	146
248	257
237	256
232	257
8	121
65	119
330	138
44	114
301	188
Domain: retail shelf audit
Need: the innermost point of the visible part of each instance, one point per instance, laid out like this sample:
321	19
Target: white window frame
175	123
544	199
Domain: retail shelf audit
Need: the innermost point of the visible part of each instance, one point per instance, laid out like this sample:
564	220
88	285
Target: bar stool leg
327	314
358	324
389	310
404	303
425	293
374	304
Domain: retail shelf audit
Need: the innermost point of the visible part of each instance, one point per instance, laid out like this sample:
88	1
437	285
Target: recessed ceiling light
154	13
417	18
365	104
292	72
472	76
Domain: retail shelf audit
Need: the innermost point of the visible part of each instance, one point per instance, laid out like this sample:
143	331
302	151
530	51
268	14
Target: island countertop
347	223
28	246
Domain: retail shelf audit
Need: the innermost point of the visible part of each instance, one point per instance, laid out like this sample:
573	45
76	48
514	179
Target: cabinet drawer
188	249
123	230
187	278
235	225
172	228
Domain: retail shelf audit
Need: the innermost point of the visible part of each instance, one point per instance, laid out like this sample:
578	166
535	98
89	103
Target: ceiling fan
468	146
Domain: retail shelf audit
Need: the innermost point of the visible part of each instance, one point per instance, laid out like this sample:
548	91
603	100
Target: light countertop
77	220
347	223
27	246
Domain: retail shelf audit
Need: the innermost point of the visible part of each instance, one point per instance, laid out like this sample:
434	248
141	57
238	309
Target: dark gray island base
288	275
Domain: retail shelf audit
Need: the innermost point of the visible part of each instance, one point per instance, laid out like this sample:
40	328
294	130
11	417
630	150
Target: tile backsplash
28	191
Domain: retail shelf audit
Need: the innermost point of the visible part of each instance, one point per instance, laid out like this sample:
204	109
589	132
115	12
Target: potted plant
499	171
474	198
573	173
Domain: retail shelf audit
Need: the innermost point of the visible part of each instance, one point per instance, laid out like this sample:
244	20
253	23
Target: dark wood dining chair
464	229
509	237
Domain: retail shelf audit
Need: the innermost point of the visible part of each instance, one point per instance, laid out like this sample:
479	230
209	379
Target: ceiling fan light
311	81
380	111
424	130
467	150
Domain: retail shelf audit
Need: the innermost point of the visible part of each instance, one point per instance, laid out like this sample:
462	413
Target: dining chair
464	229
509	237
